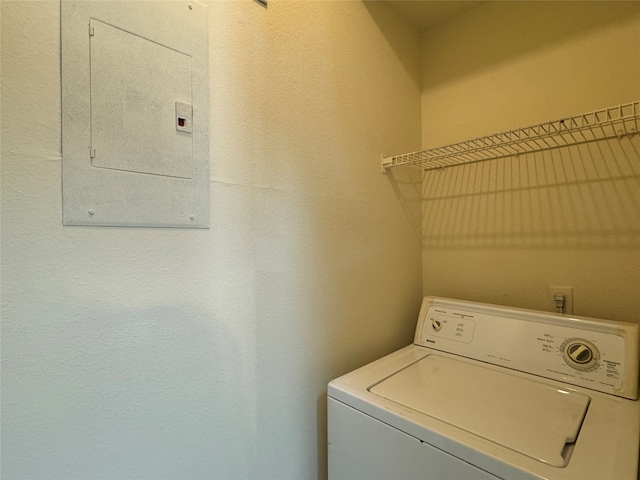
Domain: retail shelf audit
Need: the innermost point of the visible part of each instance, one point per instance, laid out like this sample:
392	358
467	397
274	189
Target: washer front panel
575	354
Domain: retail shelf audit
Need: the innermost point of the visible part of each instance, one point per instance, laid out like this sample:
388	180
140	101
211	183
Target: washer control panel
597	354
457	329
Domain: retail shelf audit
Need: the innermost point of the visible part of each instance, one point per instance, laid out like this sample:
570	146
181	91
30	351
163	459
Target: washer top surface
522	414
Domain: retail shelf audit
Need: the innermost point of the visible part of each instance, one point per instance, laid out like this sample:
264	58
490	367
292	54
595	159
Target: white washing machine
491	392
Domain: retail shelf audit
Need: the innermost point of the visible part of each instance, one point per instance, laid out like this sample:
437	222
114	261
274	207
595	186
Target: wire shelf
619	121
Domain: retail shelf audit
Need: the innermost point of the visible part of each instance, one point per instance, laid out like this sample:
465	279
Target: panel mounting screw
190	7
192	217
91	212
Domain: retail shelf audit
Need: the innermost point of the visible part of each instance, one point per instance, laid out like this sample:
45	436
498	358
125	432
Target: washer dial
580	354
436	324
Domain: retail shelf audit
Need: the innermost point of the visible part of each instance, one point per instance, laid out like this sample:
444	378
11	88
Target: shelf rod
588	127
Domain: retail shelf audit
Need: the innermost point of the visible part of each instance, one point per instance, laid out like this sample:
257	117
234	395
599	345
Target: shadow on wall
406	186
579	197
123	394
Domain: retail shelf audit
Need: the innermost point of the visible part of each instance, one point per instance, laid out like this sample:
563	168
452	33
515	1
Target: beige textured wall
181	354
503	231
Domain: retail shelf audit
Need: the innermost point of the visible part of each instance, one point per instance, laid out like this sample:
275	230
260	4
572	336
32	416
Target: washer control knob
436	324
580	354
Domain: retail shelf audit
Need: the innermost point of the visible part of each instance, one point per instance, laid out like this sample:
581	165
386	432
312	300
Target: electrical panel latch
184	117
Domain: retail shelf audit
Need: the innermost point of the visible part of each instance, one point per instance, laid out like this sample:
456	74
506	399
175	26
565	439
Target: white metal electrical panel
135	139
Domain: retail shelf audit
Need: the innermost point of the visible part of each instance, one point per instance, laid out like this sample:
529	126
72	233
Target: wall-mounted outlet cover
567	292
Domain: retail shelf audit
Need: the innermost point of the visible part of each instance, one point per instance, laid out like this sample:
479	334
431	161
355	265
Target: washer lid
528	416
